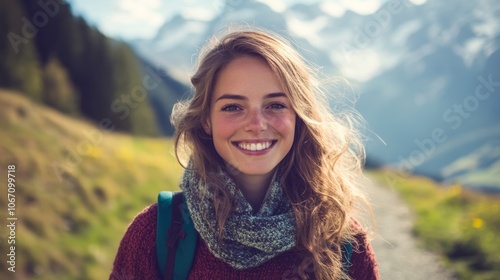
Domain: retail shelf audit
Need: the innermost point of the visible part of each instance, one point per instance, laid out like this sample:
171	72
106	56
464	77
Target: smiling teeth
254	146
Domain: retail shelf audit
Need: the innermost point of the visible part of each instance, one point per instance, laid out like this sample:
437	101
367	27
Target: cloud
308	29
198	14
134	19
337	8
276	5
362	66
204	11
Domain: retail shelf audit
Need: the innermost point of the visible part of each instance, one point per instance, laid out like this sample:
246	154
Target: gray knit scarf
249	239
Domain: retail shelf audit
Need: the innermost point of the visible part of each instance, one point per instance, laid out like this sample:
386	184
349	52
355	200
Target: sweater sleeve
363	263
136	256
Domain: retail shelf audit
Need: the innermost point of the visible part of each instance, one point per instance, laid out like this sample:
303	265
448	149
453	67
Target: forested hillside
57	59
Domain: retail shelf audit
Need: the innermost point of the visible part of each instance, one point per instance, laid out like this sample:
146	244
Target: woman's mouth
255	146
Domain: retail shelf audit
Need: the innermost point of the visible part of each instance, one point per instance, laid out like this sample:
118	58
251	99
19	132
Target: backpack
176	238
175	255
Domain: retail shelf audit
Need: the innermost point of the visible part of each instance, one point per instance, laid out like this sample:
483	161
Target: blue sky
130	19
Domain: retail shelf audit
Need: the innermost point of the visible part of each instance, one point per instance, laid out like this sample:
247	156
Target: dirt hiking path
398	254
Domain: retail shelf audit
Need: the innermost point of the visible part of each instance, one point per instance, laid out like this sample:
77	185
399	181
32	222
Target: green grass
461	225
71	228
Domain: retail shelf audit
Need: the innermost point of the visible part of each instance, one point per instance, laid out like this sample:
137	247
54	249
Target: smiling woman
271	179
254	126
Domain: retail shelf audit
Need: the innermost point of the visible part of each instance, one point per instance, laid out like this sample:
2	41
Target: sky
132	19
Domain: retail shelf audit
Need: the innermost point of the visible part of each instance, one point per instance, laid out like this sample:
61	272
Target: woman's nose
255	121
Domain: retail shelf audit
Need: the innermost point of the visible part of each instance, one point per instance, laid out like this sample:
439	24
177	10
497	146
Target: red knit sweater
136	258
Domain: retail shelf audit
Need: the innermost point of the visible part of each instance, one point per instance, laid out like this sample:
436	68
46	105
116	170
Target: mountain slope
77	188
163	92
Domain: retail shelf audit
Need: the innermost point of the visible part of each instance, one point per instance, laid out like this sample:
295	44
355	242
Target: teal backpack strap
346	250
175	236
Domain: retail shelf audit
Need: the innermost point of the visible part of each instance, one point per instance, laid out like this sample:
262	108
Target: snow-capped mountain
428	76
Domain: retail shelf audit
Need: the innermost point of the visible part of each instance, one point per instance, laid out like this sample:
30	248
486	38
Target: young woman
271	180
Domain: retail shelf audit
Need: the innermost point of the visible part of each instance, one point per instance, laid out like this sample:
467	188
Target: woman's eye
277	106
231	108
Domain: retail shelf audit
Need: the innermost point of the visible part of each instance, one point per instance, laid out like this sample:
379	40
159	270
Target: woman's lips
255	146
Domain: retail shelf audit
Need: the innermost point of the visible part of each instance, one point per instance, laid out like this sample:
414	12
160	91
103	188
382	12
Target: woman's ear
207	127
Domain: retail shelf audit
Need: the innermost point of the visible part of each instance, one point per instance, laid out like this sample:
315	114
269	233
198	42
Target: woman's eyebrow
242	97
231	96
275	94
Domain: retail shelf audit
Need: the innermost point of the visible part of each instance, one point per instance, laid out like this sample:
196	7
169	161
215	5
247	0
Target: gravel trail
396	249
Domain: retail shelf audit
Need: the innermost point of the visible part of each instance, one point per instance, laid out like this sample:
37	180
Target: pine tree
59	92
19	65
129	82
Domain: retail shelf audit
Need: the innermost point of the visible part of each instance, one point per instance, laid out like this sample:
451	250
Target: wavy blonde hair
320	171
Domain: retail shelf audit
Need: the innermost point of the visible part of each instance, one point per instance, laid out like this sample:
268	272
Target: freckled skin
249	106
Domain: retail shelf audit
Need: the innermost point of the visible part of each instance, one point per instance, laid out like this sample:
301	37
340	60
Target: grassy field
76	189
460	225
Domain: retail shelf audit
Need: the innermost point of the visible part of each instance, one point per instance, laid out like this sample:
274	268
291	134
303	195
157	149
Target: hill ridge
77	188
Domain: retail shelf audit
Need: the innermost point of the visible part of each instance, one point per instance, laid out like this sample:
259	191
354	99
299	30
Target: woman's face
251	119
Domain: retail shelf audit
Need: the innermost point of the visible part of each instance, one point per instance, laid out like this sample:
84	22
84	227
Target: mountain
427	75
163	92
